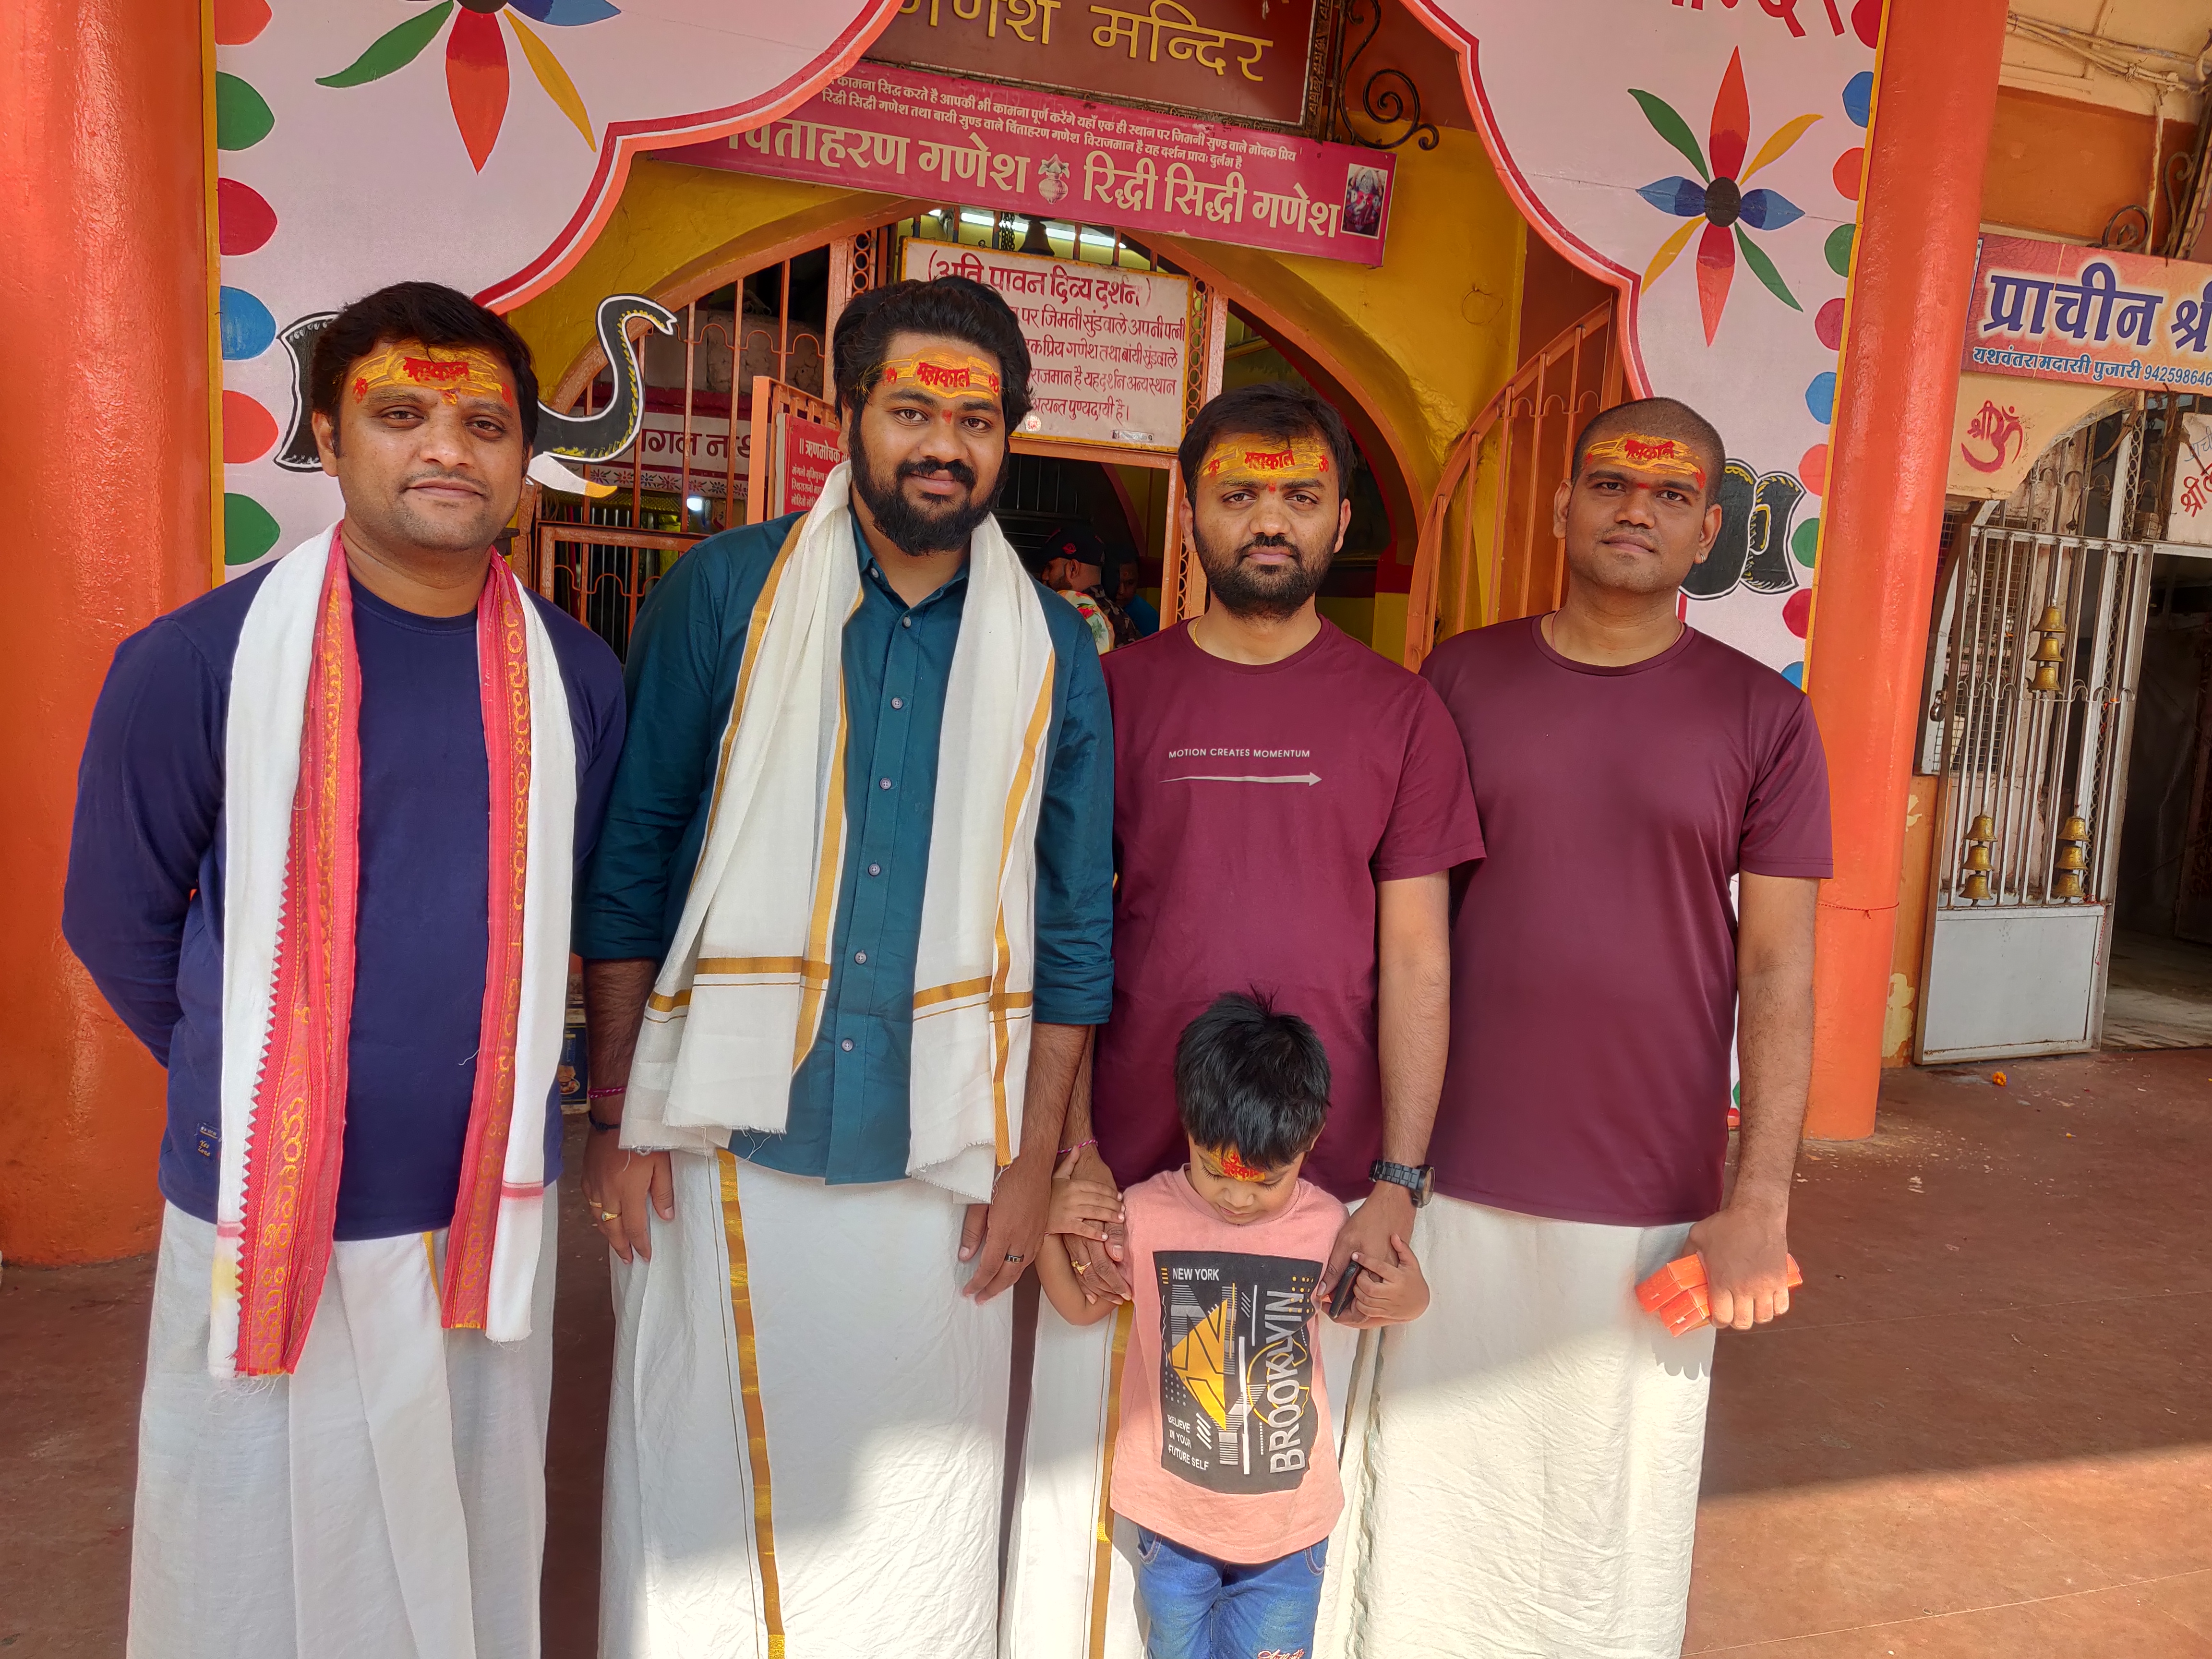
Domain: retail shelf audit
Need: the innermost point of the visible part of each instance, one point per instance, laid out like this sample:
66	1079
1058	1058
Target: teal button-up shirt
849	1118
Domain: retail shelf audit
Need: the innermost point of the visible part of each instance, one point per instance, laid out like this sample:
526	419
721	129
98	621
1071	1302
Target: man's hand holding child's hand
1389	1292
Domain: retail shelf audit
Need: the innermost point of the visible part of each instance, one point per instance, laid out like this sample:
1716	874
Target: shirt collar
872	571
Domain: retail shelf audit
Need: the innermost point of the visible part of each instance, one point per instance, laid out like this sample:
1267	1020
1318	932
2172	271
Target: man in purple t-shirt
1532	1479
1288	805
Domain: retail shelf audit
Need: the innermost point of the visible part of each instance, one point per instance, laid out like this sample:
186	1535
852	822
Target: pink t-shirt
1594	951
1255	807
1224	1443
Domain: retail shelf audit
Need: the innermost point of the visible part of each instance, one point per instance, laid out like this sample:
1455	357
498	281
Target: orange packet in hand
1677	1293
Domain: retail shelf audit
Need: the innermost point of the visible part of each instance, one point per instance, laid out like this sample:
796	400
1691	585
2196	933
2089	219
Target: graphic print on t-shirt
1236	1410
1218	761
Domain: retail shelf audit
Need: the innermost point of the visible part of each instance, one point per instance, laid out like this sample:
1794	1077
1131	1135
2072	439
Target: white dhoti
1531	1452
807	1433
1071	1593
385	1501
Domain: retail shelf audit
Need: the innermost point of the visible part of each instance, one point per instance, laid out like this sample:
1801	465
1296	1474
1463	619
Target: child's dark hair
1251	1080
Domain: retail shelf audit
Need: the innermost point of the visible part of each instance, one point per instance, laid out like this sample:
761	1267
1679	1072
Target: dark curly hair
428	312
955	306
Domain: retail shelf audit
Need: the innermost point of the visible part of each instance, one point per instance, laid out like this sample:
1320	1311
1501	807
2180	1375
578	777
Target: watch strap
1413	1177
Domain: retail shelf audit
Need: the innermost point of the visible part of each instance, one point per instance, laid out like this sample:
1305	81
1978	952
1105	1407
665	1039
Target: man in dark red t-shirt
1533	1481
1288	805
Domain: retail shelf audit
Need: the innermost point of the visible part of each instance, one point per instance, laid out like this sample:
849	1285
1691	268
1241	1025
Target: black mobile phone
1341	1299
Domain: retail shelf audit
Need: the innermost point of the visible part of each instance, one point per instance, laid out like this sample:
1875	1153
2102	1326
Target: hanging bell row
2050	652
1980	834
2073	858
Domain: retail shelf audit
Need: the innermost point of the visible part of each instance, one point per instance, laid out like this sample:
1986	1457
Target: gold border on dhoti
741	1310
1102	1560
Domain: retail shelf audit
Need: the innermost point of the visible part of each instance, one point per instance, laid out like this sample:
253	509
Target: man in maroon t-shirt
1288	805
1533	1479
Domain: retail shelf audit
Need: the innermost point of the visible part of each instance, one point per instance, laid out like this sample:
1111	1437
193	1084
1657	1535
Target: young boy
1225	1463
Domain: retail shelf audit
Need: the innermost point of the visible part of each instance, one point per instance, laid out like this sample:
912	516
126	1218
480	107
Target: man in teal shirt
717	1446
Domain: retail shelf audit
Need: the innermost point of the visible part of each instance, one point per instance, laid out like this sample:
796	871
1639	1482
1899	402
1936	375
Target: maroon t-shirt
1594	951
1254	808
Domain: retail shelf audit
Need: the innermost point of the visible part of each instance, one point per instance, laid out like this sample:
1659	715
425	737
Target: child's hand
1389	1292
1082	1207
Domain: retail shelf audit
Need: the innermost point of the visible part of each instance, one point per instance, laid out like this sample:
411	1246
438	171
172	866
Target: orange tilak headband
448	372
1294	458
1667	456
934	374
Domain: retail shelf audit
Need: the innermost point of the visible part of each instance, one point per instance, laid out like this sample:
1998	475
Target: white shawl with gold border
738	1001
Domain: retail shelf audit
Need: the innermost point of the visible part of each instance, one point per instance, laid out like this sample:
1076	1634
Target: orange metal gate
1487	552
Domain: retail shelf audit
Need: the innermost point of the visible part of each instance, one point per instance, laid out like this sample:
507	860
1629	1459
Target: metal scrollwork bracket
1388	98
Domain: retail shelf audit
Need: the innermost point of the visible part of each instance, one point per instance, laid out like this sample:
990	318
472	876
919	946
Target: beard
1245	589
914	528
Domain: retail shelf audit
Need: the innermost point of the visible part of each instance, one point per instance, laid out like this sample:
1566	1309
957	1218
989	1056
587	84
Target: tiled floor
1984	1431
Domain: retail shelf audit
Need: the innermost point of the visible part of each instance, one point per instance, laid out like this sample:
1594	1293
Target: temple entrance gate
2032	682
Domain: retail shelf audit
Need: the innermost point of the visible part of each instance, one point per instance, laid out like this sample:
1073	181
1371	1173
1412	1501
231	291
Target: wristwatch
1418	1179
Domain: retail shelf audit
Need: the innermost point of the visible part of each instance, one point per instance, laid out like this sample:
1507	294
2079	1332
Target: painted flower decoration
476	60
1727	208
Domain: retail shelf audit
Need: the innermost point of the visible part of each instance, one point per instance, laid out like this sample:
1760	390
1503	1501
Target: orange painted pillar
1897	393
107	430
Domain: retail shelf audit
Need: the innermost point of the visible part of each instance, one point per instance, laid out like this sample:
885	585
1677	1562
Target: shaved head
1657	417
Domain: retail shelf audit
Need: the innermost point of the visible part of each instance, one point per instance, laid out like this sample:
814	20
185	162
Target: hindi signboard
1244	60
2189	512
2049	311
907	133
662	434
806	455
1108	348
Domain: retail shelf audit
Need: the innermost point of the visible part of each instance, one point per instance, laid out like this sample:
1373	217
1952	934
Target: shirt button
882	783
898	702
846	1045
859	955
875	869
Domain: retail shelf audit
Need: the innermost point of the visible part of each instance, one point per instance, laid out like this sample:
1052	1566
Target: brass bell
2076	828
2069	884
1978	858
2072	858
2046	677
2049	650
1984	828
1976	886
2054	621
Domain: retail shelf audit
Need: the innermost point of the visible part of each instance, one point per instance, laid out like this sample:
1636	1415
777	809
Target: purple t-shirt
1594	950
1255	807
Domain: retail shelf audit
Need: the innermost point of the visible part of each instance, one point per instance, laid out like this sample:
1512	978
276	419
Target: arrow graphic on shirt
1307	778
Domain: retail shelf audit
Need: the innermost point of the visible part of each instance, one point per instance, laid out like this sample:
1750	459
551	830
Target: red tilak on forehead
1237	1169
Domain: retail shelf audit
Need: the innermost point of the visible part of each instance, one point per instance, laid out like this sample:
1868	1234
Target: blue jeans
1202	1609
